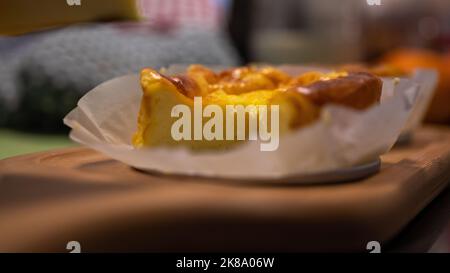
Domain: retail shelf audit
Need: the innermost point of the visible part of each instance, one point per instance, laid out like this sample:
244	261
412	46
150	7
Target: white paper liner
106	117
427	79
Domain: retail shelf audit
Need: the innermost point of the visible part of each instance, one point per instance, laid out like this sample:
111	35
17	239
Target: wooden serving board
48	199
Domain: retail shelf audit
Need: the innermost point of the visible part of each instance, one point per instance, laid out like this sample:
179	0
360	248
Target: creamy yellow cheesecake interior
299	98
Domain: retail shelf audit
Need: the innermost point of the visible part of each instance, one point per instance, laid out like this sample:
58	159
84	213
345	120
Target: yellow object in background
22	16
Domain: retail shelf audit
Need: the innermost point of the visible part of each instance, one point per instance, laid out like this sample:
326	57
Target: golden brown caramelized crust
380	70
357	90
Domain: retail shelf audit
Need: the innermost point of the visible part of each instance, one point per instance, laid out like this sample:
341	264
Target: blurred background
54	51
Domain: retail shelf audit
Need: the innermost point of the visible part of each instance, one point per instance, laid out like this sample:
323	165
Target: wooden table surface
48	199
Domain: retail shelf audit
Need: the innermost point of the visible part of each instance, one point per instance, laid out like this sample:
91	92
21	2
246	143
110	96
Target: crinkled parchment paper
106	117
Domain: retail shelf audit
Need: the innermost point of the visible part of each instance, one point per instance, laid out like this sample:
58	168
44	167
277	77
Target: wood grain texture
48	199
